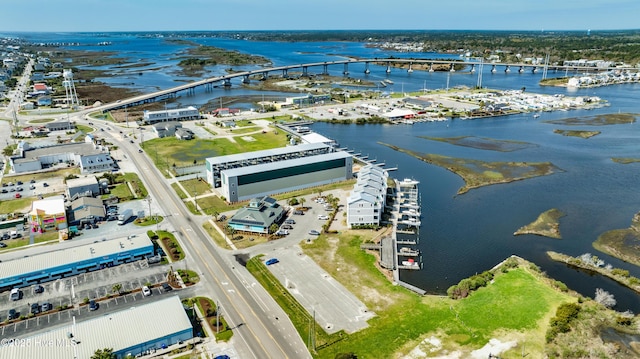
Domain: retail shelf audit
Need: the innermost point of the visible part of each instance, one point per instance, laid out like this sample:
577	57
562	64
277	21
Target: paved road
261	335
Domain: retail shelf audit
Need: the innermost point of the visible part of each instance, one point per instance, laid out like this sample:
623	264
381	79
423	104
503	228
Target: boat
536	115
383	84
388	81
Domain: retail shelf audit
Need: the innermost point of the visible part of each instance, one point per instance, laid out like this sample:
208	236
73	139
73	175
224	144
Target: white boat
388	81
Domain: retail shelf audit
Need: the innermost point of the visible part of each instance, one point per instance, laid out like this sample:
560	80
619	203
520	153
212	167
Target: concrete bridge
389	63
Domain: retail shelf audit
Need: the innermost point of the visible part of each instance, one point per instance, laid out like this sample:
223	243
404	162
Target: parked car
45	184
286	226
271	261
290	221
146	291
282	232
19	183
222	218
46	307
323	217
4	190
16	294
35	308
38	289
32	181
12	314
166	287
93	305
313	232
300	213
3	245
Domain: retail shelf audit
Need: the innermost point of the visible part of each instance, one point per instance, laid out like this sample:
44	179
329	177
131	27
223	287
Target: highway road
263	329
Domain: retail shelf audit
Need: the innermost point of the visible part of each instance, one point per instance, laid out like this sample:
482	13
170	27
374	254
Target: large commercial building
48	266
89	156
178	114
152	327
366	203
254	174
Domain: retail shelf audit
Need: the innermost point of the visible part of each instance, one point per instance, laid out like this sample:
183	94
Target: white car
146	291
282	232
323	217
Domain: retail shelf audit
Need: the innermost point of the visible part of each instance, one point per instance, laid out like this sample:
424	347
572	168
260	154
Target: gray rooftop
82	148
286	163
82	181
118	330
55	258
266	153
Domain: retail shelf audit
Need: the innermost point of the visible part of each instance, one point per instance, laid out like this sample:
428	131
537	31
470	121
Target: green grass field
168	151
516	306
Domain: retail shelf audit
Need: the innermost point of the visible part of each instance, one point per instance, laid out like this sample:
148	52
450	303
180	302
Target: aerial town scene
376	183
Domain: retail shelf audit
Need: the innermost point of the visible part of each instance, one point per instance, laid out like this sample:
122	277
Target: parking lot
92	285
50	320
29	189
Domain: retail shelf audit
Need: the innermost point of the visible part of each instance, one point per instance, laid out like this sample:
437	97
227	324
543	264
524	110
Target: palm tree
273	228
230	231
302	200
215	214
116	288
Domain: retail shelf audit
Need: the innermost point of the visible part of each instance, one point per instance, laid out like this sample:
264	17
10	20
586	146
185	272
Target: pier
398	253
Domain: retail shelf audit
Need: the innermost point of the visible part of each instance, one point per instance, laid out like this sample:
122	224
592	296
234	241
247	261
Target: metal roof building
132	331
53	265
287	175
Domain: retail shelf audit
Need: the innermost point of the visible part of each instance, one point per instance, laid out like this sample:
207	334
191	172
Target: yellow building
48	214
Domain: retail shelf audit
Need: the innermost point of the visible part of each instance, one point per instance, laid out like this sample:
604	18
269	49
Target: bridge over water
389	63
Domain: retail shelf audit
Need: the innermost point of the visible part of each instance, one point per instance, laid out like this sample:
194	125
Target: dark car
38	289
19	183
93	305
166	287
4	190
12	314
46	307
45	184
300	213
32	181
3	245
35	308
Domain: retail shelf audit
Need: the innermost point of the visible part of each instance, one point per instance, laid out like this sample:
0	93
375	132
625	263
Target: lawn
193	186
169	151
517	305
121	188
37	238
16	205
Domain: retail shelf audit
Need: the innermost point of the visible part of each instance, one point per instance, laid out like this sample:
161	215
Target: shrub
558	284
620	272
511	262
561	323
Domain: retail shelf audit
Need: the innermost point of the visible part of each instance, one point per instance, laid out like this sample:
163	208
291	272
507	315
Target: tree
106	353
215	214
230	231
116	288
273	228
302	200
293	201
319	192
605	298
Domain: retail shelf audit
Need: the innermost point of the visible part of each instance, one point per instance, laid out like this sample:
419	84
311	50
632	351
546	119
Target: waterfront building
258	216
178	114
57	264
136	330
366	202
253	174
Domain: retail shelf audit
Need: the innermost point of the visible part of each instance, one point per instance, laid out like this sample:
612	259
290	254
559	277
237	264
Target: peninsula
547	225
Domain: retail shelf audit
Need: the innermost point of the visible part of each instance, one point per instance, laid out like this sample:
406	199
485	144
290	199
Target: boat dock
399	252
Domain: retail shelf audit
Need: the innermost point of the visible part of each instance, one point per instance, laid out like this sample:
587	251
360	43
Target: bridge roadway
171	92
261	328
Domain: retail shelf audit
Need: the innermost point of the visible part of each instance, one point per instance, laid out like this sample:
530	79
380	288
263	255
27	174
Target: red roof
40	87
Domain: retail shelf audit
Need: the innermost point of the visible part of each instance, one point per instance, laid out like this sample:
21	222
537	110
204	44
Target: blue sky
156	15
